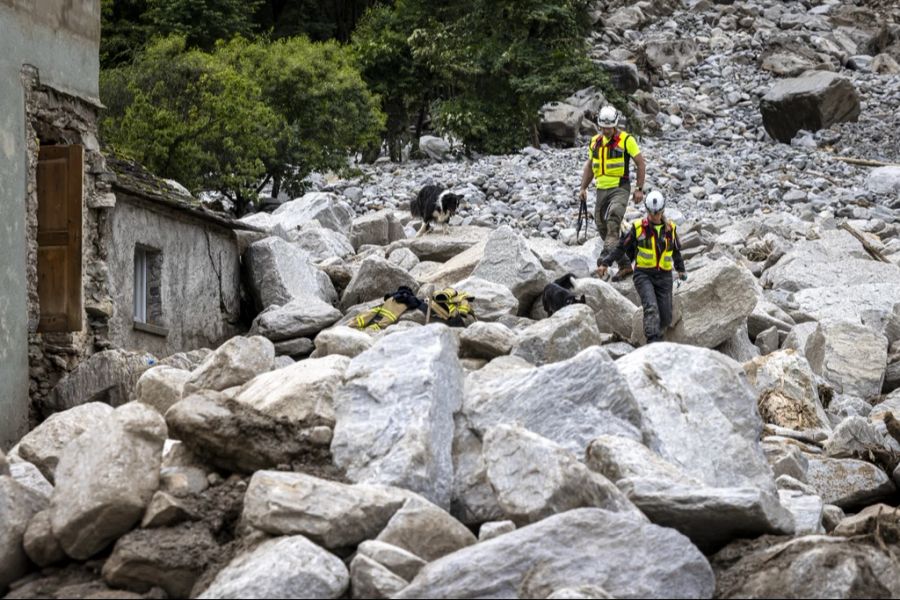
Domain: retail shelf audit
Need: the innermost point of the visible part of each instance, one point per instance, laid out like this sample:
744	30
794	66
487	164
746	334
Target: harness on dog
388	312
451	307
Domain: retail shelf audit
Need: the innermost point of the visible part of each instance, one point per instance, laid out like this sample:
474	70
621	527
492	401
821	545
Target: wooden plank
75	203
60	176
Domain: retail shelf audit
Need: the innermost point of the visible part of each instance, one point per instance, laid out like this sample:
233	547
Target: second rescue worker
608	165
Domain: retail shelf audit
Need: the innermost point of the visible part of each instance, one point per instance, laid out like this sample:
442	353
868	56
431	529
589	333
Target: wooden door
60	176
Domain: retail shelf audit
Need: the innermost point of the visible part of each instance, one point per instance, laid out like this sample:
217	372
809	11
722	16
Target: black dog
434	203
559	294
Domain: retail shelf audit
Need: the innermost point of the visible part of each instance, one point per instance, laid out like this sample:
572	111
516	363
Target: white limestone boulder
105	479
395	412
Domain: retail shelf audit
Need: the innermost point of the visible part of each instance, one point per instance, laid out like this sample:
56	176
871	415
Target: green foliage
202	22
485	67
317	90
243	115
189	116
122	31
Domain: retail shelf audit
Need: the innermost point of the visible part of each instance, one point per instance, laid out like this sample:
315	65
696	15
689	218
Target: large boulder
107	376
489	300
510	262
884	180
486	340
235	362
698	412
375	278
849	356
847	482
876	305
161	387
395	412
710	516
787	391
322	243
171	558
614	312
331	514
534	478
303	317
566	333
343	340
814	566
280	272
17	506
301	393
626	556
560	123
814	101
590	398
44	444
235	437
435	148
711	304
285	567
836	259
456	267
379	228
677	52
425	530
328	209
105	479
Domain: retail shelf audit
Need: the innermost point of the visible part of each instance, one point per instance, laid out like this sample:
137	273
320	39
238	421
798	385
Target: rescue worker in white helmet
608	164
652	243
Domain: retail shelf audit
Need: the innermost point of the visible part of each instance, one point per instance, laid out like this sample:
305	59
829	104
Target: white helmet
654	202
608	117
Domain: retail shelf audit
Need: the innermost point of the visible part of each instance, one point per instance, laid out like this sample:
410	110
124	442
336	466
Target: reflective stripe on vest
610	160
647	256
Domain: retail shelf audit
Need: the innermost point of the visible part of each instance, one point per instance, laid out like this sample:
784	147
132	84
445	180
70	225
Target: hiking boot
623	273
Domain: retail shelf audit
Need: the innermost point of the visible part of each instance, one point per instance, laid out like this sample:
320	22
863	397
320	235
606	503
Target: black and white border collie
558	294
434	203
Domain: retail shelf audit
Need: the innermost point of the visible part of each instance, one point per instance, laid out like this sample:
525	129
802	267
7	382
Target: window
148	313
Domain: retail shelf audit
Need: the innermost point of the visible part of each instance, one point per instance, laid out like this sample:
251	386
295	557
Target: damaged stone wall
56	118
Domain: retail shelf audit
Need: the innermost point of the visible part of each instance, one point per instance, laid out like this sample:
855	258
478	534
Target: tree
202	22
483	68
316	89
190	116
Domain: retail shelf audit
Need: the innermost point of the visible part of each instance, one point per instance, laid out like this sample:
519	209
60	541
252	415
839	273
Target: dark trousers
655	289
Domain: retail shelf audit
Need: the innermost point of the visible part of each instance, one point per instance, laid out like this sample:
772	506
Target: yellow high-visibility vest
648	255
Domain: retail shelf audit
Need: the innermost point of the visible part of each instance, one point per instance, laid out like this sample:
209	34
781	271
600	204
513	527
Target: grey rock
280	272
491	301
375	278
588	545
39	543
435	148
425	530
161	387
614	312
300	317
847	482
107	377
44	444
235	362
379	228
534	478
493	529
286	567
301	393
814	101
670	381
486	340
17	505
343	340
328	209
849	356
395	416
105	479
560	337
510	262
403	563
787	391
369	579
171	558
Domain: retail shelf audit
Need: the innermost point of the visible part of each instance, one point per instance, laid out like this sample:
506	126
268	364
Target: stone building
90	259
